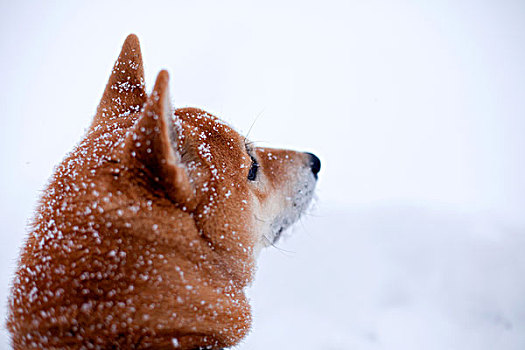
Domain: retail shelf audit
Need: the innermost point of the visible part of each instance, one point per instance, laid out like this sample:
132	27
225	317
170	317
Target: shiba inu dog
148	231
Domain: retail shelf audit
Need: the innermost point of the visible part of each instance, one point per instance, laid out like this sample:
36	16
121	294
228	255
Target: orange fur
147	233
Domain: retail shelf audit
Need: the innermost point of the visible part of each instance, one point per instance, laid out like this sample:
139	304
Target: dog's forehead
207	128
202	120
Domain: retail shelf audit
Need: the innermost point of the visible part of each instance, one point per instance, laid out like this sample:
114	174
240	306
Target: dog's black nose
315	164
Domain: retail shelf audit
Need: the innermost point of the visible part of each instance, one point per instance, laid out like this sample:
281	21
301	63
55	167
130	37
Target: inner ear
151	146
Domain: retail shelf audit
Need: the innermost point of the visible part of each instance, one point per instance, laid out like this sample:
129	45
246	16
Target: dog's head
156	220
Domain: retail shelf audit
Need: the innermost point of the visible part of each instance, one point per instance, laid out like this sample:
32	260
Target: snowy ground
415	109
396	277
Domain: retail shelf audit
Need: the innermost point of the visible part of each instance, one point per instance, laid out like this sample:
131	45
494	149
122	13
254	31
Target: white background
416	109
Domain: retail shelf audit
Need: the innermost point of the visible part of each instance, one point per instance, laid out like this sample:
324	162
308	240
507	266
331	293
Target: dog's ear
151	146
125	91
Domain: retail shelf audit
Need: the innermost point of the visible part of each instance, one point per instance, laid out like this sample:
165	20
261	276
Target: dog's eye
252	174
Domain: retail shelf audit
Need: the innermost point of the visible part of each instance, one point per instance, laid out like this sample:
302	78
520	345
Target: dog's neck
99	240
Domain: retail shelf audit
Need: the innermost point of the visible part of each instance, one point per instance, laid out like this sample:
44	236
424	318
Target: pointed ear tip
131	47
132	39
164	75
162	80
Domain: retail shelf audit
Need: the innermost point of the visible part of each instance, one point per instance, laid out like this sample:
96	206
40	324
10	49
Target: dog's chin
276	235
281	225
292	213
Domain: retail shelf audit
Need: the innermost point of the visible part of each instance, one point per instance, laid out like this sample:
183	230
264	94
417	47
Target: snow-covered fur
148	232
